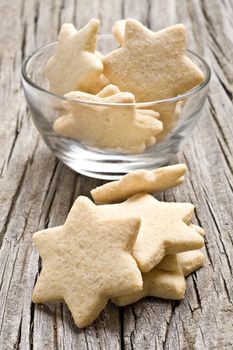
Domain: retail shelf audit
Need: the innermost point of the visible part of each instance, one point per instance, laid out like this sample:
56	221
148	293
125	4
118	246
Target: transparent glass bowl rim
27	60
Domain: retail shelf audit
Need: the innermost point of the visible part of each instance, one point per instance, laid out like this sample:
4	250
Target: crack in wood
23	43
8	288
219	127
121	319
195	323
173	307
228	293
18	340
13	202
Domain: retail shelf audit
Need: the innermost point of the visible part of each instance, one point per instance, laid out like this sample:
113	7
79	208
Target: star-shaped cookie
192	260
148	181
164	228
87	260
165	281
118	30
108	90
152	65
74	64
120	128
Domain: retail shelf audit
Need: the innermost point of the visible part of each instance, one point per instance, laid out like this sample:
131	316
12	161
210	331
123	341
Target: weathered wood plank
28	206
196	321
36	190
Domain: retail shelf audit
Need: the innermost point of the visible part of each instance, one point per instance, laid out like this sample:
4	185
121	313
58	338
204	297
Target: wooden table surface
37	190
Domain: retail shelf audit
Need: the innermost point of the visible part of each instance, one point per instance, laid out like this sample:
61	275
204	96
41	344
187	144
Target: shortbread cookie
198	229
194	259
99	82
147	181
87	260
164	228
118	30
170	112
108	90
190	261
119	128
165	281
97	85
99	54
170	115
74	65
153	66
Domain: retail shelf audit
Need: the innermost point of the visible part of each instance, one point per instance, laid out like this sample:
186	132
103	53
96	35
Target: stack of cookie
146	67
134	247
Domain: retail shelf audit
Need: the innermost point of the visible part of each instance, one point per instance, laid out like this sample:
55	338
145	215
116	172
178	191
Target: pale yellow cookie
153	66
198	229
148	181
190	261
108	90
99	54
118	30
107	127
164	228
170	112
165	281
194	259
87	261
99	82
170	115
97	85
74	65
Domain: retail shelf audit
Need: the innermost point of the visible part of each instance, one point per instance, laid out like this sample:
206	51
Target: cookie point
180	168
132	24
94	23
67	27
180	291
183	166
35	237
122	97
66	31
84	200
180	26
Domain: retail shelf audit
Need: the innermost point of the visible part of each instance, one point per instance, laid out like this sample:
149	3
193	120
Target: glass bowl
46	107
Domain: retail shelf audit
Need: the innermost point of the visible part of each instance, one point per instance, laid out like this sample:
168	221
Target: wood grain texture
36	191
